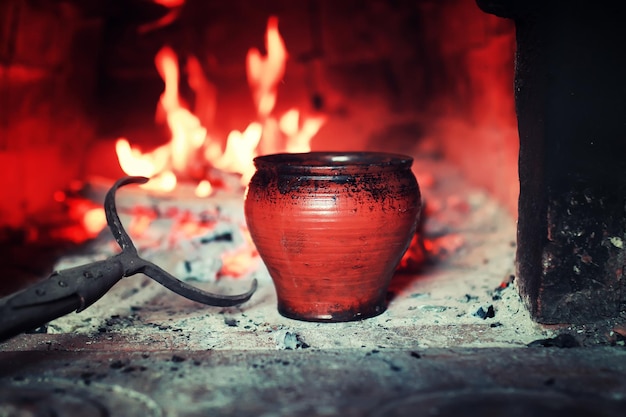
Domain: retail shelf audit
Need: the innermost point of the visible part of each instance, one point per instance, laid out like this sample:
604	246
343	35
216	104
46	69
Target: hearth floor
314	382
454	299
434	351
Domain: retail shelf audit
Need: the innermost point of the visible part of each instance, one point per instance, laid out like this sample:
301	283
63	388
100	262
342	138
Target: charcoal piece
287	340
469	297
485	313
117	364
231	322
223	237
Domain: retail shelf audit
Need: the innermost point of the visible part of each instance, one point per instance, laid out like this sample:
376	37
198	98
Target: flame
190	151
136	163
166	63
167	162
264	73
191	154
299	137
240	150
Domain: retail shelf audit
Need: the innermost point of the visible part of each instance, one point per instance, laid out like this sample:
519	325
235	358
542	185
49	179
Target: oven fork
77	288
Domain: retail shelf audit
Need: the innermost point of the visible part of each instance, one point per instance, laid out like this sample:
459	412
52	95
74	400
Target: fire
190	146
240	149
299	137
134	162
264	73
192	155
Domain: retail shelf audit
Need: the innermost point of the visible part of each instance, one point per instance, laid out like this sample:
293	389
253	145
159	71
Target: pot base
329	316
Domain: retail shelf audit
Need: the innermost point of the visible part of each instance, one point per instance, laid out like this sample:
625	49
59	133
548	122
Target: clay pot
332	228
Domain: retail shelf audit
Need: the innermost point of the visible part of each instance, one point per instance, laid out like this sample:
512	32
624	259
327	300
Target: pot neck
323	163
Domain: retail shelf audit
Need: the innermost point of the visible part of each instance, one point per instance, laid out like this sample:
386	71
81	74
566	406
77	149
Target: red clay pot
332	228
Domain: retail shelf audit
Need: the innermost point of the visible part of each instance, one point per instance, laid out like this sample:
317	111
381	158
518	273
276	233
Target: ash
457	289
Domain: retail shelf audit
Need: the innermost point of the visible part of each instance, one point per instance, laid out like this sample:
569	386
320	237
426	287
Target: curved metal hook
193	293
113	220
133	264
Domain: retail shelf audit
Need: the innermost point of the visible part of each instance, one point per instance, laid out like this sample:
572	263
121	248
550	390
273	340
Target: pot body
331	229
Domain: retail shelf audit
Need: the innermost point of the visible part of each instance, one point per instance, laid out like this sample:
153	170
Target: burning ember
191	146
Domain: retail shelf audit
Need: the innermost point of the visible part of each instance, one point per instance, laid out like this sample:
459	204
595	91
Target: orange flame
264	73
191	147
299	137
240	150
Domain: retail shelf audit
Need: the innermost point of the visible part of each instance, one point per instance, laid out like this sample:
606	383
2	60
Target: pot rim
334	160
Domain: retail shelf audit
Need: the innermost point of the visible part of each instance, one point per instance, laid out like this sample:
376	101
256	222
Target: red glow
415	256
238	263
84	219
59	196
170	3
142	218
189	226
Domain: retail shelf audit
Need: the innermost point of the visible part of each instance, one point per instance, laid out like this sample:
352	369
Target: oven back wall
394	76
47	78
